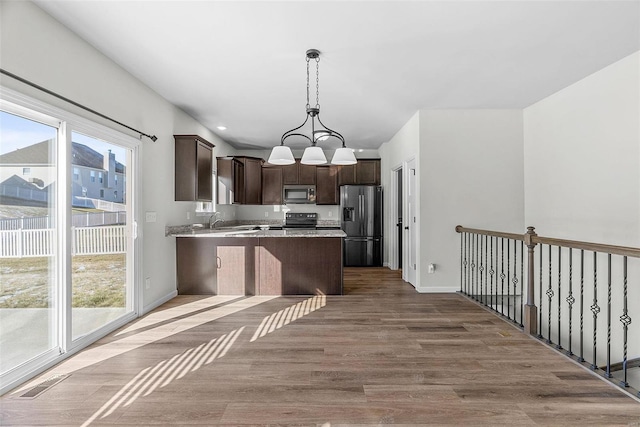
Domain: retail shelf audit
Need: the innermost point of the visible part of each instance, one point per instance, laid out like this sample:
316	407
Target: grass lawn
98	281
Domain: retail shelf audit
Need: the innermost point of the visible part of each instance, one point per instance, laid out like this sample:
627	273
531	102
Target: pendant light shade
313	156
281	155
344	156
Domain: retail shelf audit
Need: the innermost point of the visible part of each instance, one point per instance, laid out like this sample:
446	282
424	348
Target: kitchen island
259	262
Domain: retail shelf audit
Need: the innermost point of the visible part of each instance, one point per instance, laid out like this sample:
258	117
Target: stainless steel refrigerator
361	210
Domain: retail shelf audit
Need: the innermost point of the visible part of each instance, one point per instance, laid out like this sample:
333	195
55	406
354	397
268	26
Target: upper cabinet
239	180
298	173
271	184
365	172
327	185
193	168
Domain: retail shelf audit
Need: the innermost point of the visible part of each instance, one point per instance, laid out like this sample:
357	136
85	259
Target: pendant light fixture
313	155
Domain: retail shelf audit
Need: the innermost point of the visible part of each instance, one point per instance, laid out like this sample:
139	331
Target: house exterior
26	176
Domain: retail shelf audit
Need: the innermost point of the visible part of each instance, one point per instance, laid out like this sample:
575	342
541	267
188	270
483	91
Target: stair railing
581	286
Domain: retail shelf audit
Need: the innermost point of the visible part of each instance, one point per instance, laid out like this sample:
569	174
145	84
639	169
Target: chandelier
313	155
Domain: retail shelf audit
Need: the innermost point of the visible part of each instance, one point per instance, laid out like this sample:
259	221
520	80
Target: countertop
258	233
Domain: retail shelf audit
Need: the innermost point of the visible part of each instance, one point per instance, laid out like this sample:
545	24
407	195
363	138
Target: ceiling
241	64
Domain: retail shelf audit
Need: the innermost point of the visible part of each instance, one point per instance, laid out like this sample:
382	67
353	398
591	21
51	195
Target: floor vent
43	386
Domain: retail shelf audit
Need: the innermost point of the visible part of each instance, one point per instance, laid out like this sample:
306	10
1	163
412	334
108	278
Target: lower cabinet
291	266
259	266
216	266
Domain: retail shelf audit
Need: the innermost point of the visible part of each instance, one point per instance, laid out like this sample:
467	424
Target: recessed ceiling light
222	128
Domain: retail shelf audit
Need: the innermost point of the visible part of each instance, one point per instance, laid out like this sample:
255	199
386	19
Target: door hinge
414	266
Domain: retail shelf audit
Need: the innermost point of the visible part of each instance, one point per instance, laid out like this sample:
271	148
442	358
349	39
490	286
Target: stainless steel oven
299	194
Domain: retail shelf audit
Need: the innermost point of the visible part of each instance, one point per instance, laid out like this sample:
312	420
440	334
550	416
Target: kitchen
244	250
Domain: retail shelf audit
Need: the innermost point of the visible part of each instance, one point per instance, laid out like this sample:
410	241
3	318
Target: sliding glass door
67	241
29	288
101	291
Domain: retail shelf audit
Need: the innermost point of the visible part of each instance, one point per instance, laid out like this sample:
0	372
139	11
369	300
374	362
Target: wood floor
381	354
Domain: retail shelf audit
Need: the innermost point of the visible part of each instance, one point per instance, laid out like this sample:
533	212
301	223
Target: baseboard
159	302
438	290
385	264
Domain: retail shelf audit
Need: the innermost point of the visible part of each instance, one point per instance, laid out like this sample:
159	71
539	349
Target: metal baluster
508	278
626	321
486	276
478	238
491	272
550	296
595	309
473	264
540	293
466	265
581	358
570	300
608	373
502	277
481	271
521	281
559	345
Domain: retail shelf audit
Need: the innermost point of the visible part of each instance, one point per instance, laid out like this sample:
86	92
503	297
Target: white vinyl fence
85	241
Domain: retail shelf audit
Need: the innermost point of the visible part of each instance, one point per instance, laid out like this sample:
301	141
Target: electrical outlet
266	214
330	214
188	215
147	283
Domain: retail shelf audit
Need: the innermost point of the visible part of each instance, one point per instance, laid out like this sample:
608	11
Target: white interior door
409	263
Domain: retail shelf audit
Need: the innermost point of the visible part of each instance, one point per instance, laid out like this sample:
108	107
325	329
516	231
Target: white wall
582	158
404	146
471	174
40	49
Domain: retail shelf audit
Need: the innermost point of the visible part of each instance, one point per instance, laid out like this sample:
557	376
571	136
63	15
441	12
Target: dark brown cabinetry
298	173
365	172
259	266
244	176
193	172
216	266
327	192
290	266
271	185
368	172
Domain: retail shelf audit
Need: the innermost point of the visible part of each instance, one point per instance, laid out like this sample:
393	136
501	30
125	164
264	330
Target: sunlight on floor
288	315
160	316
165	372
99	353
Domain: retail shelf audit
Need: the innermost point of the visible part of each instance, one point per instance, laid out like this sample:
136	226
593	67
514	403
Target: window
93	176
26	171
115	179
100	177
102	193
76	176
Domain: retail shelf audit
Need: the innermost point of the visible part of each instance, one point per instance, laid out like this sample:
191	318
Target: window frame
17	103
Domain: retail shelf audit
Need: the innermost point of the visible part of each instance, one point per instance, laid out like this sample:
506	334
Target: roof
38	154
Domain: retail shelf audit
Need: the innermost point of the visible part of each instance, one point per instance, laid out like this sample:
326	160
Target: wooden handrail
461	229
587	246
575	244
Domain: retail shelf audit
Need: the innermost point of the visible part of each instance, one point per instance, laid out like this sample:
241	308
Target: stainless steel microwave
299	194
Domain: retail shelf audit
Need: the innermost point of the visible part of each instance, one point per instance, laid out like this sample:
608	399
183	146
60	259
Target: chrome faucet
217	220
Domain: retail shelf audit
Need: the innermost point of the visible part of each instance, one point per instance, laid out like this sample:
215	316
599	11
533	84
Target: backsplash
271	212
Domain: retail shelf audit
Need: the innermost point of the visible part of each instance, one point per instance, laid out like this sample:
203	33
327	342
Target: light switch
151	216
